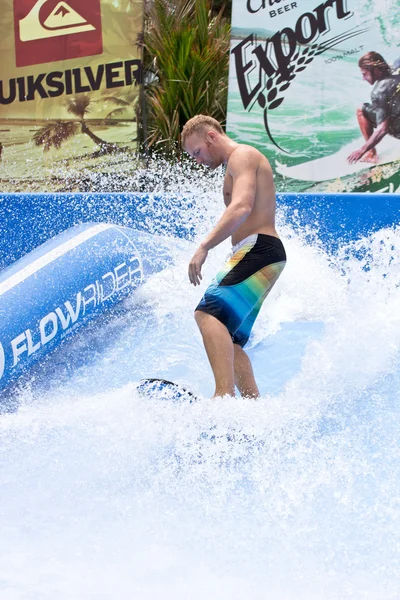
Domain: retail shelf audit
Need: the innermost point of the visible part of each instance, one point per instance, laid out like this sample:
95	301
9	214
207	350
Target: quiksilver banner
69	82
298	92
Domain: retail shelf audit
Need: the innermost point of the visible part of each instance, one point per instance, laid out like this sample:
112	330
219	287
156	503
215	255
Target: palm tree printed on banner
55	133
125	102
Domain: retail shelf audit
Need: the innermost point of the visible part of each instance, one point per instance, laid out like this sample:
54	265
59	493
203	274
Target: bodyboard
164	389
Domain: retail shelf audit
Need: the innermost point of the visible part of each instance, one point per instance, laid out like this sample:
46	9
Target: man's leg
367	130
219	347
244	376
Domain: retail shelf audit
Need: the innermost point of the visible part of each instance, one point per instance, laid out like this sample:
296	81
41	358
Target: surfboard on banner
166	390
336	165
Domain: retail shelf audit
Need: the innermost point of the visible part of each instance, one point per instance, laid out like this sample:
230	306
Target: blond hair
199	124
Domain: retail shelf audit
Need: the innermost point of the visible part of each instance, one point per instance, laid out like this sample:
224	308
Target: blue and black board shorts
236	294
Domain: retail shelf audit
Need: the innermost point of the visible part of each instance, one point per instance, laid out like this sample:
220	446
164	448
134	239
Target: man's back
386	95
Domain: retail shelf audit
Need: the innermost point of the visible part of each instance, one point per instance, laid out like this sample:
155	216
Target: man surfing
231	303
382	115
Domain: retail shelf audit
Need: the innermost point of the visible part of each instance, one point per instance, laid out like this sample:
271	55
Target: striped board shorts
236	294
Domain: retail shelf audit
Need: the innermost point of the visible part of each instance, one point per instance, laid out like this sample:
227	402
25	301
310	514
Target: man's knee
362	117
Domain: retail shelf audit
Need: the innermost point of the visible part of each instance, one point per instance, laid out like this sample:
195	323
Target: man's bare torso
262	216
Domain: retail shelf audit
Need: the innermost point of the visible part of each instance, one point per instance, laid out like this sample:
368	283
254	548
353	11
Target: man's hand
355	156
195	265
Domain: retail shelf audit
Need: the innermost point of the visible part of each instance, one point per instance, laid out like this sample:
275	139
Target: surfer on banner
231	303
382	115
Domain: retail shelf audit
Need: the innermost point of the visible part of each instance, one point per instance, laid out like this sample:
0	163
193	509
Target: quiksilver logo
39	25
62	20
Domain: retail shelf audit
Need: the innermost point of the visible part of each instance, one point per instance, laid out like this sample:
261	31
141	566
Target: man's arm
375	138
243	165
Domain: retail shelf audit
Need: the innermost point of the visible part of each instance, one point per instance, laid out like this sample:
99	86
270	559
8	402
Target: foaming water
106	494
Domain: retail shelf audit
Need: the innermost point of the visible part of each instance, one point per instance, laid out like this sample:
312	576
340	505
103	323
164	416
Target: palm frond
115	100
79	105
188	49
113	114
55	133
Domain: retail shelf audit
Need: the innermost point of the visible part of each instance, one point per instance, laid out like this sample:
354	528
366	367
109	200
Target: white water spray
105	494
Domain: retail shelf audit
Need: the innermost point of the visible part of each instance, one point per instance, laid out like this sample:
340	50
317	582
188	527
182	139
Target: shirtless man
230	305
382	116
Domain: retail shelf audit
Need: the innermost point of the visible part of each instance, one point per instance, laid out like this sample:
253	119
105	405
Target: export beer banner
298	93
69	88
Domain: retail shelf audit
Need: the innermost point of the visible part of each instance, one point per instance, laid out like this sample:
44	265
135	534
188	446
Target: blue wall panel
340	218
27	220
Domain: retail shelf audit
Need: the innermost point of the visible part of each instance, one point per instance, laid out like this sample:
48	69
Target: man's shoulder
245	155
247	150
386	87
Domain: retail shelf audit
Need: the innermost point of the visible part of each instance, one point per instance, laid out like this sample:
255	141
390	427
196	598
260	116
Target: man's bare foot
370	157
